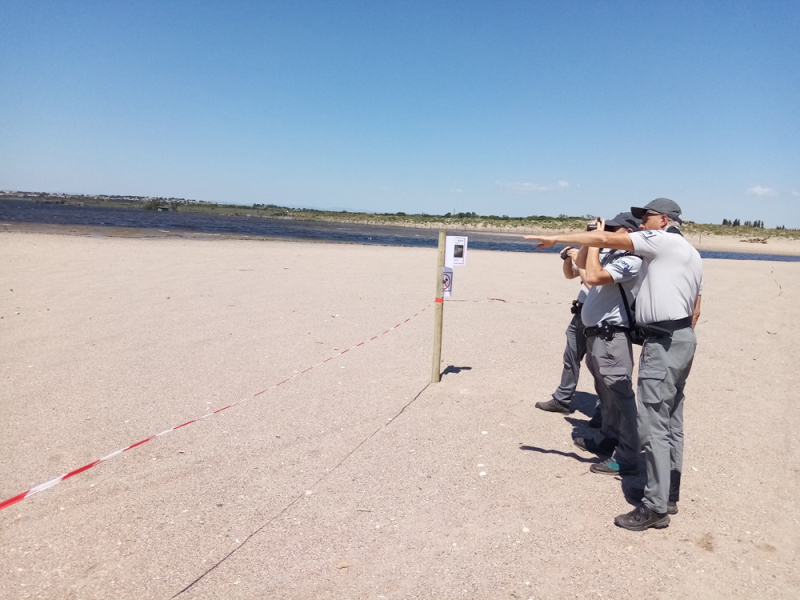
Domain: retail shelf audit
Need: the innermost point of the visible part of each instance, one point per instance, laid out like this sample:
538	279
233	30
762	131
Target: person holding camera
667	309
614	277
576	342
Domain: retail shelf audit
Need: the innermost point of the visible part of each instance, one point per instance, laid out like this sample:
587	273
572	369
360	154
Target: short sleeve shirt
604	302
582	293
671	277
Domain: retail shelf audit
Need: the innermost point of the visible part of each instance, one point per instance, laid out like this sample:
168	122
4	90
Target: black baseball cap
626	220
663	206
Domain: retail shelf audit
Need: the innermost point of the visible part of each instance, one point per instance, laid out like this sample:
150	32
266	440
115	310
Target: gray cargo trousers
573	355
611	364
664	365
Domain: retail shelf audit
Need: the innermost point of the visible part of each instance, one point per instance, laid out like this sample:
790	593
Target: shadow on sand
454	370
583	405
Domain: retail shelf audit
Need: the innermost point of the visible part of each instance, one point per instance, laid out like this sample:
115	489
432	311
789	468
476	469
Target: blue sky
502	107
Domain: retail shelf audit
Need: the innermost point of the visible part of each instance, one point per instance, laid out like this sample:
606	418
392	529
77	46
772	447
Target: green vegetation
748	230
737	223
462	220
152	205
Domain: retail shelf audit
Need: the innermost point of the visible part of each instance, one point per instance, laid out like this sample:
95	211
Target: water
21	211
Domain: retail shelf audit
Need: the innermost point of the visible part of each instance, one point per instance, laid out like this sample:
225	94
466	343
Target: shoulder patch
648	233
625	266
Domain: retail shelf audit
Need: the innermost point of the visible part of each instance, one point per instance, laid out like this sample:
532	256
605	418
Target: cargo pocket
651	385
614	370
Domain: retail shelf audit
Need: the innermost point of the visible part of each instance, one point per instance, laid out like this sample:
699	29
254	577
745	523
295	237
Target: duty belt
664	328
604	330
576	307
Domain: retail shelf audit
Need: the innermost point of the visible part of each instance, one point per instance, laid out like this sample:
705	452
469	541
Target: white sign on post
455	251
447	282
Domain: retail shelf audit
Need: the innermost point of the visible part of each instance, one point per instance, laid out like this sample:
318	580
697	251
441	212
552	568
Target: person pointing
667	309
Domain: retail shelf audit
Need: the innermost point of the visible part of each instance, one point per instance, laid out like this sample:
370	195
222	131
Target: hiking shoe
553	406
672	508
642	518
612	467
591	446
596	422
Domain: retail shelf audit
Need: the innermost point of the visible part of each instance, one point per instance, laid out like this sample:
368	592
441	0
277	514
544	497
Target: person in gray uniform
614	277
667	309
576	341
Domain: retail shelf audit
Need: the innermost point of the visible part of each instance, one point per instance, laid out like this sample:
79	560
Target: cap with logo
626	220
663	206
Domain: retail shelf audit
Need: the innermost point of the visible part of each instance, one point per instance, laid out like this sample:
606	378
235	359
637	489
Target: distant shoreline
707	242
466	222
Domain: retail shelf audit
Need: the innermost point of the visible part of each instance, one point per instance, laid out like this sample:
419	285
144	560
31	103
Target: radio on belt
455	255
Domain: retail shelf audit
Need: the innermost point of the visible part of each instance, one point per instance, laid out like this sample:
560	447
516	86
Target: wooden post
438	311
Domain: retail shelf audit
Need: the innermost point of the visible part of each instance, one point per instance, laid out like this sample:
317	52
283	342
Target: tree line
737	223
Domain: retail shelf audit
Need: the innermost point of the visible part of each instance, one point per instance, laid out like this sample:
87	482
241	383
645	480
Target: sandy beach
356	478
722	243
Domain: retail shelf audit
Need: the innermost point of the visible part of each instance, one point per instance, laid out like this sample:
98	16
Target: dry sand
467	493
726	243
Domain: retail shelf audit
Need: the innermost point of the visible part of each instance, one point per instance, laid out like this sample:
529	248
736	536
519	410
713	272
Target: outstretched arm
596	239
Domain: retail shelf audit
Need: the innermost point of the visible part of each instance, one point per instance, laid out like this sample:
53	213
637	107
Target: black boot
604	448
642	518
553	406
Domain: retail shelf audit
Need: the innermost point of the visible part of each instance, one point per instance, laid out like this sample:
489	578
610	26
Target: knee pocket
651	385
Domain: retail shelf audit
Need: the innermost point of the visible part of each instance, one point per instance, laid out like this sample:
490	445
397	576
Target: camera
591	227
563	253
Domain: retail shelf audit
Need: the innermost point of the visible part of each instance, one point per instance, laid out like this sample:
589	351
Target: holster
603	331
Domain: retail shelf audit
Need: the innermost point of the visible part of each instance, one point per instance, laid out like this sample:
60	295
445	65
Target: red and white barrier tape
507	301
53	482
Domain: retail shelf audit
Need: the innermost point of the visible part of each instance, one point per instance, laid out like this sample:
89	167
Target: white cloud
795	193
760	190
535	188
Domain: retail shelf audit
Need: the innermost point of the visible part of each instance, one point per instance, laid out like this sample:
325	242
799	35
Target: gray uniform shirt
582	293
671	276
604	302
